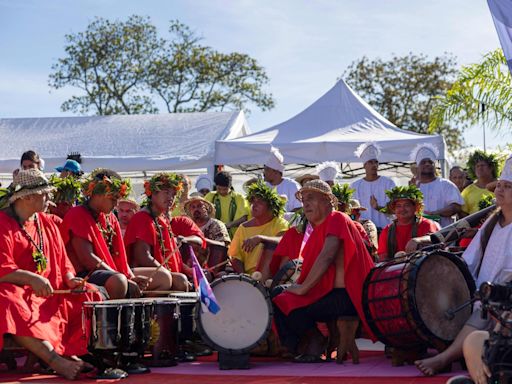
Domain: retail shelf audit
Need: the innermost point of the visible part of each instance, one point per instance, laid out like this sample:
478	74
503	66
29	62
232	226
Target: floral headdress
162	181
262	191
67	189
104	181
409	192
489	158
343	193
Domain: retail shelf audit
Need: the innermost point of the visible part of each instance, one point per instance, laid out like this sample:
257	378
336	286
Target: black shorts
98	277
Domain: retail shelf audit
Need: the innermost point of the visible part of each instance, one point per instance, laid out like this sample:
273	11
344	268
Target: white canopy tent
125	143
330	129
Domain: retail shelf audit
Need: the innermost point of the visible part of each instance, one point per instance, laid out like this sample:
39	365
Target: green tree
189	76
403	90
482	93
126	68
108	62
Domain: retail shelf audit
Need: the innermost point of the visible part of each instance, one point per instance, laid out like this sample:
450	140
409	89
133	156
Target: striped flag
205	291
501	11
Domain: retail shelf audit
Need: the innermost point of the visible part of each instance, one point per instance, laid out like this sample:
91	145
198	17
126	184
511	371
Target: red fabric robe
80	222
357	264
142	227
58	318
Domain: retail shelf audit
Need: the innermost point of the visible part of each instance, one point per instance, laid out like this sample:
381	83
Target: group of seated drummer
86	252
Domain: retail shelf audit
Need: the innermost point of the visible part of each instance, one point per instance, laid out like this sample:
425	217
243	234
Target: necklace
38	253
159	232
107	233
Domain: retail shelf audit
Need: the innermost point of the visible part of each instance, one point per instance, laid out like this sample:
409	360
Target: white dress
438	194
365	189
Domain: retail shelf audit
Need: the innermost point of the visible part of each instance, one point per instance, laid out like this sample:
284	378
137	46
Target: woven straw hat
355	204
317	186
29	182
209	206
305	178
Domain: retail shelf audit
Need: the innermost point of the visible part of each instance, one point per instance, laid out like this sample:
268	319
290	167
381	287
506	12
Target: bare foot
430	366
67	368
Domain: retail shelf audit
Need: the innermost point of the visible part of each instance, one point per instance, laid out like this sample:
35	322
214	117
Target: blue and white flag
501	11
205	291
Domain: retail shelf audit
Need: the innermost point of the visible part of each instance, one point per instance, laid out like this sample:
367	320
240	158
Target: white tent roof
124	143
330	129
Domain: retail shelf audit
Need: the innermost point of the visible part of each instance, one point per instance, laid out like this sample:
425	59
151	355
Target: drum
405	300
186	304
164	330
244	319
287	274
117	325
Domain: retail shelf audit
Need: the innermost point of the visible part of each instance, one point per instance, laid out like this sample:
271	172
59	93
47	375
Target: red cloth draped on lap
80	222
357	264
288	248
57	318
142	227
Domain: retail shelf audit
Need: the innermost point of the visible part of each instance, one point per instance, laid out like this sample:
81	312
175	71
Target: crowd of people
88	234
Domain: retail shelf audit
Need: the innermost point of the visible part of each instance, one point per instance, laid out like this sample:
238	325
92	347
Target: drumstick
164	292
217	265
150	277
65	291
89	274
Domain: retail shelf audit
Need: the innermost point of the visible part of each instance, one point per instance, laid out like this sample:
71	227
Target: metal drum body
164	328
244	319
405	300
117	325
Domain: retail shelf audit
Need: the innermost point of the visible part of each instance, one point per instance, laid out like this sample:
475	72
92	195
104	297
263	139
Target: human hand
373	202
141	281
133	289
249	244
412	246
297	289
75	282
41	286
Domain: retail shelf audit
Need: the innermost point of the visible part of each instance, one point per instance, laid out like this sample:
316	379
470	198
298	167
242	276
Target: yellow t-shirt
242	207
250	260
472	195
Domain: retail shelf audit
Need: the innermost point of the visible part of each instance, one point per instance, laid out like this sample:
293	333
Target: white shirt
288	187
438	194
497	262
364	191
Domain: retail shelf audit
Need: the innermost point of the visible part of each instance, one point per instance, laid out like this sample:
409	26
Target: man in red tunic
33	264
152	237
406	204
94	241
335	264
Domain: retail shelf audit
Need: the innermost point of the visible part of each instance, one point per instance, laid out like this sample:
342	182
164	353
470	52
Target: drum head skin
440	287
244	318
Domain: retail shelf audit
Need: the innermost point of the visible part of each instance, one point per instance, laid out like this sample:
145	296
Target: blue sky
303	45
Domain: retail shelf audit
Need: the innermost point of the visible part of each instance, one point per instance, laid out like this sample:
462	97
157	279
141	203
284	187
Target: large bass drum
244	319
407	301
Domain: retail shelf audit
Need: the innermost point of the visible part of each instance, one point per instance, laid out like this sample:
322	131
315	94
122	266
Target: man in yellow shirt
267	224
484	168
230	207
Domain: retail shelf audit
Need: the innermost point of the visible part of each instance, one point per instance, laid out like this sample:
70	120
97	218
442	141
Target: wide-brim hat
130	201
71	166
355	204
210	208
29	182
306	177
317	186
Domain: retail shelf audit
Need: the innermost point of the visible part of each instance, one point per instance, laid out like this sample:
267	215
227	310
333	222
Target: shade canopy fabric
124	143
330	129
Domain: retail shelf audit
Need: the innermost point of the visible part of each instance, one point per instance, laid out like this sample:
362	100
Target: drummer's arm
448	211
417	243
327	256
84	252
193	239
237	265
141	255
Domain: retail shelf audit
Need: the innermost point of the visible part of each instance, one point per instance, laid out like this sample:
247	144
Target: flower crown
106	182
409	192
67	189
270	195
162	181
343	192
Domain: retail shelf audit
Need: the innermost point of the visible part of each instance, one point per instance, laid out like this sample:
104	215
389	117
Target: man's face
65	173
223	191
483	170
198	210
458	178
405	210
270	175
427	168
125	212
371	166
163	200
107	203
315	205
38	202
29	164
204	191
259	207
503	193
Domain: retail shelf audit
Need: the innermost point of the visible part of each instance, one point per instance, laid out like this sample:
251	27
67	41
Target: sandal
304	358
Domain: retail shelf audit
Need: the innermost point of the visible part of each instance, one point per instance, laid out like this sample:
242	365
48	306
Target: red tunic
403	235
58	318
80	222
142	227
357	264
288	248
